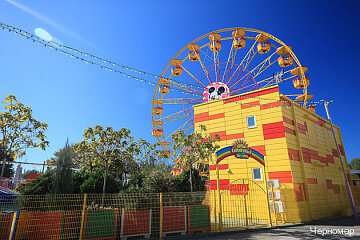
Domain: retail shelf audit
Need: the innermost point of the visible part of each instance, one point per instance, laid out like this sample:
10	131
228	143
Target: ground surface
295	232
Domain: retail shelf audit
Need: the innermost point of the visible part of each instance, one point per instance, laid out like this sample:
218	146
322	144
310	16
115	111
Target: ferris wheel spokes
184	127
260	67
182	100
178	115
193	77
225	71
203	67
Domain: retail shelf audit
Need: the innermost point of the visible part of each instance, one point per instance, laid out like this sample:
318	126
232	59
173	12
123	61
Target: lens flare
43	34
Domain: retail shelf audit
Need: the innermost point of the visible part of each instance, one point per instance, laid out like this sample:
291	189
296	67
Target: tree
181	182
26	174
41	185
84	160
355	165
106	146
159	181
19	130
93	183
193	147
148	157
64	162
8	170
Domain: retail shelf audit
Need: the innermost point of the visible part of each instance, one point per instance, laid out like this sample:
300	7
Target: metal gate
243	204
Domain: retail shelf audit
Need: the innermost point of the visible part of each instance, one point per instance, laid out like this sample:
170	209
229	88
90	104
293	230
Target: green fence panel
100	224
198	218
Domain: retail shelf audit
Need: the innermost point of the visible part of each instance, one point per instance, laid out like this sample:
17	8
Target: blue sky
70	95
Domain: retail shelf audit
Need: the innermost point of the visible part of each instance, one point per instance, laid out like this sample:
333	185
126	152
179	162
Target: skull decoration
215	91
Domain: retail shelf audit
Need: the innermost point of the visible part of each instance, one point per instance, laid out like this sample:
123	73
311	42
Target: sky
70	95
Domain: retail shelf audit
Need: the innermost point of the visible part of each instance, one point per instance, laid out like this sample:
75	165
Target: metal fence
119	216
242	204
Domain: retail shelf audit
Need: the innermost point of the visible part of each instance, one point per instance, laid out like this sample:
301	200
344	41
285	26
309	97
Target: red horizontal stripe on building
268	91
251	95
312	180
223	184
197	120
270	105
289	130
200	115
222	133
274	130
212	167
293	154
230	100
213	185
260	149
273	125
216	116
309	154
274	136
288	120
302	128
249	105
283	176
223	166
234	136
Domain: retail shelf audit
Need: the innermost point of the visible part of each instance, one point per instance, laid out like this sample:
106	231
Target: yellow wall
303	158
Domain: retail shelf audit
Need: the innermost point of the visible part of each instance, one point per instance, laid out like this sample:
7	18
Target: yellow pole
267	198
246	216
83	217
215	214
219	196
12	226
161	215
351	199
273	201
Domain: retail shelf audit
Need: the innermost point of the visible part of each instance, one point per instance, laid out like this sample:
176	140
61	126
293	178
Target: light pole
342	164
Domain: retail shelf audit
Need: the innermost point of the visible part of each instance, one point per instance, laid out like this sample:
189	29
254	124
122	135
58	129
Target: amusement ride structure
214	66
217	65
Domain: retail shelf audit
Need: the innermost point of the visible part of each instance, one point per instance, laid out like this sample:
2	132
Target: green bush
43	184
95	180
182	183
159	181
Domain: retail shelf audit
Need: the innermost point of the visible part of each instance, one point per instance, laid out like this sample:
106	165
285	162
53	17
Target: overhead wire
56	46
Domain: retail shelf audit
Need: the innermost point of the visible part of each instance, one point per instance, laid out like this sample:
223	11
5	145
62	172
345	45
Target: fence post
267	198
83	217
273	201
246	216
161	215
213	197
12	230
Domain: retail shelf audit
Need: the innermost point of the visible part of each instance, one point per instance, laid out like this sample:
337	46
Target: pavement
343	228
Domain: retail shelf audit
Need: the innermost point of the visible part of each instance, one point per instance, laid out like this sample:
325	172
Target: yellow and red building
297	145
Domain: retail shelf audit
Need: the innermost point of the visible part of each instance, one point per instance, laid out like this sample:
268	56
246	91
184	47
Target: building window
257	175
251	121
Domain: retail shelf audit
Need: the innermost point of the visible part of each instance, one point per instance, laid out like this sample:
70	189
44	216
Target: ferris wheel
217	65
